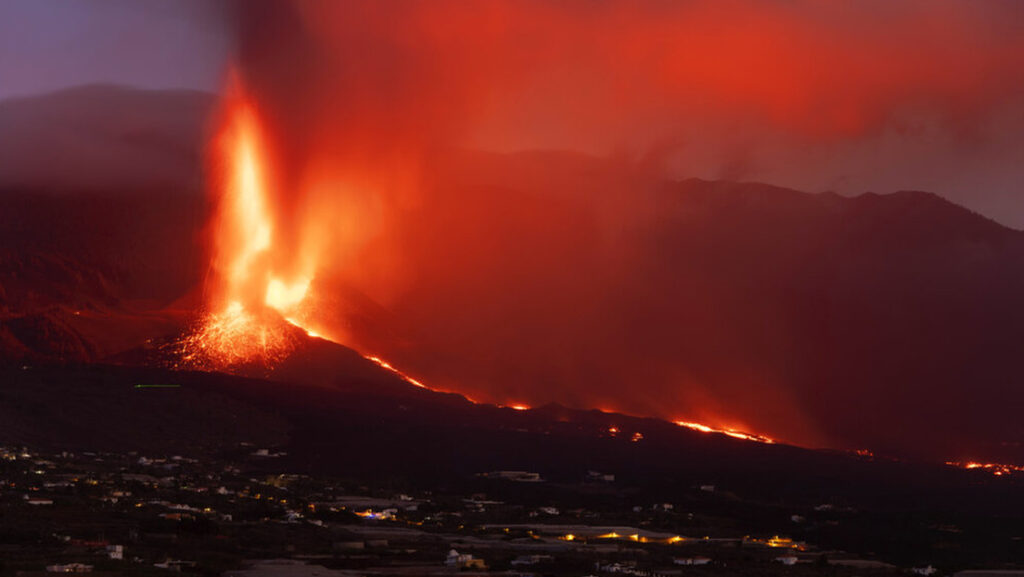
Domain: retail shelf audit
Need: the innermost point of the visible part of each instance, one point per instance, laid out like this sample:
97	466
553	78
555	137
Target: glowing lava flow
730	432
997	469
387	366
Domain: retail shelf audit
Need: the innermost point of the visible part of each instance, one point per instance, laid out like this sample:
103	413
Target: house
464	561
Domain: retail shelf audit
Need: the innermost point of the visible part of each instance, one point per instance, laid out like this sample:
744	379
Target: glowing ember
997	469
730	432
236	337
777	542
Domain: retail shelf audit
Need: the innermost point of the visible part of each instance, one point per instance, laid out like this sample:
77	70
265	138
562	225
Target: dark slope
893	318
881	321
375	427
87	275
101	206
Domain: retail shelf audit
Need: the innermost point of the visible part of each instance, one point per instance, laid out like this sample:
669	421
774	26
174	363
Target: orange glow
235	336
777	542
256	281
997	469
245	297
282	297
730	432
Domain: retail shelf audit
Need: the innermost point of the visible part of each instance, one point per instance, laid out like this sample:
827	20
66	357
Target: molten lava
234	337
728	431
997	469
256	297
388	367
251	298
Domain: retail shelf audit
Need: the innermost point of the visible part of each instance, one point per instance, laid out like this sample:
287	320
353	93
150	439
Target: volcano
815	319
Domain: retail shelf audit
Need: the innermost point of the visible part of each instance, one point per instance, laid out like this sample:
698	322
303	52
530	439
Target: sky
47	45
818	96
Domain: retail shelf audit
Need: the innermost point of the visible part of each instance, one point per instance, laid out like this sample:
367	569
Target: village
133	514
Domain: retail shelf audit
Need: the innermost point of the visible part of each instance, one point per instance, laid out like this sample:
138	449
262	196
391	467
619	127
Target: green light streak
157	386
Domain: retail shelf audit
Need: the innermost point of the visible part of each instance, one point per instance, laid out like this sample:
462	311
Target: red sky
816	95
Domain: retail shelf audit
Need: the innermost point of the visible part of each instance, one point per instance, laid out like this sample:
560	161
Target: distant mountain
101	204
104	138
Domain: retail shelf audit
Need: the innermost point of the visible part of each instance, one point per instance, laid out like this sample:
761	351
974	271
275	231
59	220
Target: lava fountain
252	298
257	288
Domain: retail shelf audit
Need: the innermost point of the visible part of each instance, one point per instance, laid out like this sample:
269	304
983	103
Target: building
464	561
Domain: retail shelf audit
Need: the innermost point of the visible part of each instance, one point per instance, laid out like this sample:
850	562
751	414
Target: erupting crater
255	295
257	291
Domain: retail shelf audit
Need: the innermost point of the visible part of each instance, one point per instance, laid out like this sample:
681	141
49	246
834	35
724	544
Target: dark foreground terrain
204	473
